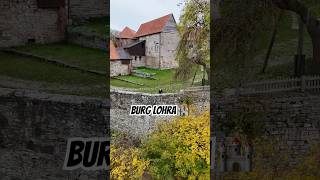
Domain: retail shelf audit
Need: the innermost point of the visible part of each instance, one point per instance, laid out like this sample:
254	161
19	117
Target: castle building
120	61
126	36
231	157
154	45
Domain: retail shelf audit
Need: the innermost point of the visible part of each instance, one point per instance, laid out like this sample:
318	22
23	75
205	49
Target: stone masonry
84	9
35	128
27	21
117	68
161	48
21	21
293	117
140	126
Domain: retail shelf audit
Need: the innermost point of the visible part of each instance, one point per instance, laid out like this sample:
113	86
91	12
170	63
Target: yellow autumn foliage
180	148
177	149
126	163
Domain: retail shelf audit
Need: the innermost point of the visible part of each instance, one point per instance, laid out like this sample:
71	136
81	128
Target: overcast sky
132	13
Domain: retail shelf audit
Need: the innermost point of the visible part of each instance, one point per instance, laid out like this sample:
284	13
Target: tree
310	20
193	48
241	24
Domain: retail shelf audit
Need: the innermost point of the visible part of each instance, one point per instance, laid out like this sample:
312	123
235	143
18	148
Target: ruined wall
293	117
140	126
83	9
117	68
35	128
22	21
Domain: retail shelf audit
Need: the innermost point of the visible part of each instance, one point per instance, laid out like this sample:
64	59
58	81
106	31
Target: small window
47	4
135	58
156	48
31	41
140	58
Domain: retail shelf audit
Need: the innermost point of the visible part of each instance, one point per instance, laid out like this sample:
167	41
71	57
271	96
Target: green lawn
86	58
99	25
164	80
23	68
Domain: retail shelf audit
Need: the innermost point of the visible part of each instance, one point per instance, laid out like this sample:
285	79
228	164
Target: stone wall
170	42
117	68
293	117
83	9
161	48
152	53
140	126
138	61
22	22
170	39
35	128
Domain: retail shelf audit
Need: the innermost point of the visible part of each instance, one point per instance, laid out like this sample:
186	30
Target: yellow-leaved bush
180	148
126	163
177	149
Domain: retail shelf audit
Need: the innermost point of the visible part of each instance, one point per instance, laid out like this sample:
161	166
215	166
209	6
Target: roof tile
127	33
154	26
113	52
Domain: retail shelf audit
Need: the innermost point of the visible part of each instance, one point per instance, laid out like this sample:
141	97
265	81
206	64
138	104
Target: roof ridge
157	18
154	26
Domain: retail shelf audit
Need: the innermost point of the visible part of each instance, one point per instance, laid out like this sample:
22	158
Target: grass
32	70
164	80
86	58
281	63
99	25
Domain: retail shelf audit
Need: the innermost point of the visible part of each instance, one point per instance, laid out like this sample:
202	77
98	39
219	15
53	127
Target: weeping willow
193	50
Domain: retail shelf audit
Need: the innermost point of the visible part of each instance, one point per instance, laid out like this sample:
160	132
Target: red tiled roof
118	53
127	33
113	52
154	26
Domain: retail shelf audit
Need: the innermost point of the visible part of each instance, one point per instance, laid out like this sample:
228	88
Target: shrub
126	163
180	148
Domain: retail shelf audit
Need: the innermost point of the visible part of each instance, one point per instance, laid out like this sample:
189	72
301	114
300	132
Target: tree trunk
311	22
273	39
316	46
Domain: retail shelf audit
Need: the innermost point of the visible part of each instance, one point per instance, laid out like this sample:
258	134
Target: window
236	167
31	40
135	58
156	47
47	4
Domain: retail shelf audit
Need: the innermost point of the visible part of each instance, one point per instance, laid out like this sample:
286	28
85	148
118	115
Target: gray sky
132	13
